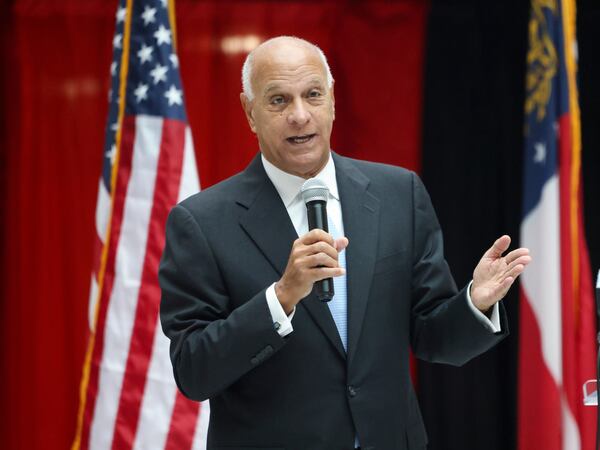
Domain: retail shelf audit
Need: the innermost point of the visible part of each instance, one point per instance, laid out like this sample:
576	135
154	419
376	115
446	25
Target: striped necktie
339	303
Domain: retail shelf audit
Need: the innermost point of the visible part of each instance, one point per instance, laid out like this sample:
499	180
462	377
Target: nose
298	114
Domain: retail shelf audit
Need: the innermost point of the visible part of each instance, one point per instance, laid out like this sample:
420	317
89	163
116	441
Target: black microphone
314	194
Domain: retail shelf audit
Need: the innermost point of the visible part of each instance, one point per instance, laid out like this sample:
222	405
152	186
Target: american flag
557	319
128	397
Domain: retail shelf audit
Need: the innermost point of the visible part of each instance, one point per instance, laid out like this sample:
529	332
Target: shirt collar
288	185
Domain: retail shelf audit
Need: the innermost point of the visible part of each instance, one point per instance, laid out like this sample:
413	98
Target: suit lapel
268	225
360	211
266	220
320	313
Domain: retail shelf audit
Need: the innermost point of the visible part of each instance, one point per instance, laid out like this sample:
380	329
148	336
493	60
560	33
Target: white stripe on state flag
129	263
202	427
570	429
540	233
159	396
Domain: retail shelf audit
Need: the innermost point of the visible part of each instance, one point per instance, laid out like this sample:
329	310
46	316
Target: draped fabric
557	315
473	165
55	78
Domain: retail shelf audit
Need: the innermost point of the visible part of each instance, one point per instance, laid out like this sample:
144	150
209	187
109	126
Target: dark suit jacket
227	244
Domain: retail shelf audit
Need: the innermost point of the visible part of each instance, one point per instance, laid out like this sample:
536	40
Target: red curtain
55	71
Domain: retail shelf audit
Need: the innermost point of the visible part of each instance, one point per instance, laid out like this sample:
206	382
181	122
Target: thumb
341	243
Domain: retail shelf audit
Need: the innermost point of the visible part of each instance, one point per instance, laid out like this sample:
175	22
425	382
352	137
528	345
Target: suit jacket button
351	391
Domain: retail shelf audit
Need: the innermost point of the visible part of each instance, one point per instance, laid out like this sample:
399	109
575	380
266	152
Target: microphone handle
317	218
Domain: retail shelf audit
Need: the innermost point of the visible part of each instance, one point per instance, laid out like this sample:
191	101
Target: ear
247	106
332	99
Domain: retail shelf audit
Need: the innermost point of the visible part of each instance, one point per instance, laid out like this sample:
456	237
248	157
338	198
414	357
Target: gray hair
249	64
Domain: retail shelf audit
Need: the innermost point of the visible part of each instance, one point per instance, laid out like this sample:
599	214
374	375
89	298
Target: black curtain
588	35
472	167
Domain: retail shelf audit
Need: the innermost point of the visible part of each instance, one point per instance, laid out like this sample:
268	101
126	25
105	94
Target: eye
277	100
314	93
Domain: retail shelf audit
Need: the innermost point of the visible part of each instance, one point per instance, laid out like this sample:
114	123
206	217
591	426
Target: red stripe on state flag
183	423
539	408
579	349
568	297
120	187
584	357
166	191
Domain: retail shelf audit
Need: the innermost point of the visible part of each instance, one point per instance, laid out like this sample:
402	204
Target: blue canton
153	85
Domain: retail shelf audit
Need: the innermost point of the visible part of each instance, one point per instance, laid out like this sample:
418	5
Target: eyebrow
275	86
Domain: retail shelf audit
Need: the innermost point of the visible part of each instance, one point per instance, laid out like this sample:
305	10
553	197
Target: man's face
292	111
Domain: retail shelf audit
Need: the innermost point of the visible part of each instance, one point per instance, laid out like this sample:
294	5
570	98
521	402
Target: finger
521	260
319	247
513	274
499	247
320	260
321	273
515	254
316	235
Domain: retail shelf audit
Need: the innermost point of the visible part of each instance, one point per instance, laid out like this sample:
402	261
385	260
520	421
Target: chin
309	165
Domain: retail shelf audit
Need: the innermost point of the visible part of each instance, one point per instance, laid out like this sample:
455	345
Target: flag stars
113	68
540	152
162	35
145	53
111	154
117	41
556	129
164	3
174	60
121	14
159	73
148	15
141	92
174	96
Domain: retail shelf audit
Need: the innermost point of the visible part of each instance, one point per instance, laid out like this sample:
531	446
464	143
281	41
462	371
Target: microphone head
314	189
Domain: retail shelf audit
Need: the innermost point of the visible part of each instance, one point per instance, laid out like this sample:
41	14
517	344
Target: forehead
287	66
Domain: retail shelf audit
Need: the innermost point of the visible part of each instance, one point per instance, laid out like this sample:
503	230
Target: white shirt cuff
281	321
493	322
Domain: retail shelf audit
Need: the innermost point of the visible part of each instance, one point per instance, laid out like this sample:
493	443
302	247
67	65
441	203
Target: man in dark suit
282	369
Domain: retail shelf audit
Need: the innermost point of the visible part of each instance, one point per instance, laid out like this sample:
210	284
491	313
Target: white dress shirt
288	186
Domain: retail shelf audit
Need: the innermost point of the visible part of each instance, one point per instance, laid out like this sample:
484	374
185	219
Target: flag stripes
166	188
557	329
119	290
129	399
122	180
183	419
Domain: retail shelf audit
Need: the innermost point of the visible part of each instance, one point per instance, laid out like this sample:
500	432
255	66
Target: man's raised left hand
495	274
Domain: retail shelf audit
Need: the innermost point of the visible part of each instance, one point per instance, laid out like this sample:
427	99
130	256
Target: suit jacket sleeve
212	345
443	328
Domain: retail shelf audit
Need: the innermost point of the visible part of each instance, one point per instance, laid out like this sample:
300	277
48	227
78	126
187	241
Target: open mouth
301	139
